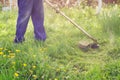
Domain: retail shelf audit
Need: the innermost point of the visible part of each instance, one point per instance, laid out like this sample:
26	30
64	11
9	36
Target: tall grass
109	20
58	58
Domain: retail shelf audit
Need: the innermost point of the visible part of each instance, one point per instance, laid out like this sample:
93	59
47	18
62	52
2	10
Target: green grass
59	57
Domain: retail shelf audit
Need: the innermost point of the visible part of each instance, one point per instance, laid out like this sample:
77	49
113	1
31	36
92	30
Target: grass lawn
59	58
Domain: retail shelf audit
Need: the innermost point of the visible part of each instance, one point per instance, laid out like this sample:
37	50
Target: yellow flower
64	70
1	49
24	65
55	79
43	49
34	56
9	51
16	74
34	76
1	53
13	63
17	50
33	67
4	55
11	55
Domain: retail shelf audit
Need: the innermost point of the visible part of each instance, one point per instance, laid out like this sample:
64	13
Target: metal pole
75	24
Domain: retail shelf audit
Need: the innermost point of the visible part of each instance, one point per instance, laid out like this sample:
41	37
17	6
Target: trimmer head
85	46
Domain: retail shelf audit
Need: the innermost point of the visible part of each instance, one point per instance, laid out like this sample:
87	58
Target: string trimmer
93	45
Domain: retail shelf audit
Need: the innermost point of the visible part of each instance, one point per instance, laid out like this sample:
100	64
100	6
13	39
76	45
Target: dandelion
33	67
13	63
34	56
55	79
4	55
1	49
24	65
64	70
17	50
43	49
34	76
1	53
16	74
9	51
11	55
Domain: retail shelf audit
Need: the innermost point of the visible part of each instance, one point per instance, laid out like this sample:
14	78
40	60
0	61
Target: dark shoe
16	40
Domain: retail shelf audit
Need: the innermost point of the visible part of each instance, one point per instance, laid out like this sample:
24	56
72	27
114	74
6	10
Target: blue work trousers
35	10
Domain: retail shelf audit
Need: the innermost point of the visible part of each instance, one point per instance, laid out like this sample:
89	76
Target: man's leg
25	8
38	20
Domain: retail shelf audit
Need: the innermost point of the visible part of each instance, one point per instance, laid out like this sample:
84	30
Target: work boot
16	40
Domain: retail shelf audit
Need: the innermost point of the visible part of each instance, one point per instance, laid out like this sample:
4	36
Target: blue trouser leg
38	20
25	8
29	8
